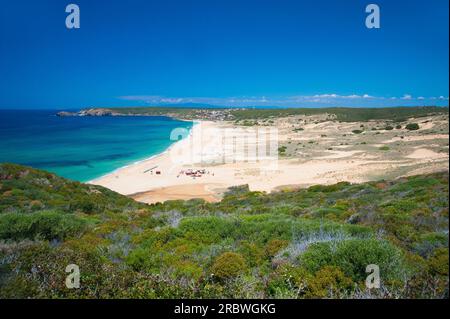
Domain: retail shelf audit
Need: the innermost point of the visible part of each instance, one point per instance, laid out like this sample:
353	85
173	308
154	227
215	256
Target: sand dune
232	155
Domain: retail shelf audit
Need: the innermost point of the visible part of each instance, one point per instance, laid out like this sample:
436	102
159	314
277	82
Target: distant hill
398	114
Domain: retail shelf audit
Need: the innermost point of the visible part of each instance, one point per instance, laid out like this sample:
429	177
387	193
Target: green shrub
328	212
428	242
169	250
254	255
389	128
237	190
329	188
384	148
316	256
329	281
289	281
357	131
438	263
282	150
412	126
274	246
228	265
43	225
353	256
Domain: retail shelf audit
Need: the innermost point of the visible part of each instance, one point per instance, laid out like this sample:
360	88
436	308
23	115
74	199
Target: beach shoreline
166	176
133	179
117	170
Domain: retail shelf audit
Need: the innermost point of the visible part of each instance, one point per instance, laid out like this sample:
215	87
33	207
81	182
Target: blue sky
227	52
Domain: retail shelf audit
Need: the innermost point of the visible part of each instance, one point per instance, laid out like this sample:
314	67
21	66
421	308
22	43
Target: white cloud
326	96
170	100
407	97
325	99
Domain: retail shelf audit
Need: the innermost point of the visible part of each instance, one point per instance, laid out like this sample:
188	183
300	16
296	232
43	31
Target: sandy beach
218	155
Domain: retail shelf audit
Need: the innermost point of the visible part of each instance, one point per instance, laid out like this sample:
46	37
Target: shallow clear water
81	148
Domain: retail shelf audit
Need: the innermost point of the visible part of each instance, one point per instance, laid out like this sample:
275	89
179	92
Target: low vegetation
306	243
250	117
412	126
398	114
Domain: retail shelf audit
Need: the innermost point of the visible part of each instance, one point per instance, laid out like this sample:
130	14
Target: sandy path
184	192
417	138
423	153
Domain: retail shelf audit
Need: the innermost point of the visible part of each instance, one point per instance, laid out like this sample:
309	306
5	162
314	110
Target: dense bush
47	225
274	246
438	263
412	126
398	114
26	189
290	281
328	281
352	256
282	150
305	243
228	265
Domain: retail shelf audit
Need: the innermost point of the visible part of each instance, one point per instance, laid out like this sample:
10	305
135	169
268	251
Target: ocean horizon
210	106
82	148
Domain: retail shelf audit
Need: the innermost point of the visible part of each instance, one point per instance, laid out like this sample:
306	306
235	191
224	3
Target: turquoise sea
81	148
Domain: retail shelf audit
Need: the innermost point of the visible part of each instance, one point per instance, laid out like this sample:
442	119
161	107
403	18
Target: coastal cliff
250	116
176	113
91	112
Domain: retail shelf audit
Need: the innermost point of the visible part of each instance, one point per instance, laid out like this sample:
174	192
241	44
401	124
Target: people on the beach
194	173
